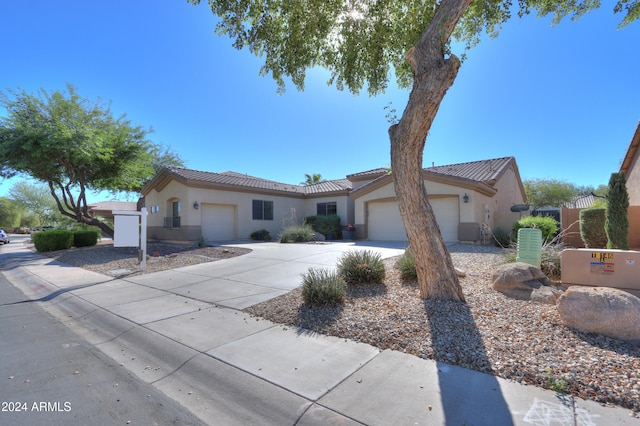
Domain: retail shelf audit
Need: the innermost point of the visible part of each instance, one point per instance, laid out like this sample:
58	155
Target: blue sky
563	100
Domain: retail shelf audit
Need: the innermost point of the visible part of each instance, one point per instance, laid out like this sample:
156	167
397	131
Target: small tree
310	179
617	222
73	144
36	199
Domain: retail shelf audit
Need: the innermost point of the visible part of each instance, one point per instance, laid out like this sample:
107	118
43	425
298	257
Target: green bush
546	224
85	238
52	240
592	227
261	235
617	223
327	224
406	264
296	234
322	287
361	266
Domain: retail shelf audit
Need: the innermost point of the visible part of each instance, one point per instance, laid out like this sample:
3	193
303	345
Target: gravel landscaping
123	261
521	341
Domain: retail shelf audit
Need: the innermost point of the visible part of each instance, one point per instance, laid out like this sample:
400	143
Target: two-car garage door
384	222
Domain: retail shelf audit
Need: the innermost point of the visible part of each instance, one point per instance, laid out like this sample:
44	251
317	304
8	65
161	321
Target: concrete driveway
271	269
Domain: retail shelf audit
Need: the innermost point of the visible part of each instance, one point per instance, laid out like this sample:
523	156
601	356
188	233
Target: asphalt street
49	375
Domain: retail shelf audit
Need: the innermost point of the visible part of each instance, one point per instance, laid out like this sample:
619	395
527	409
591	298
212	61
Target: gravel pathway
518	340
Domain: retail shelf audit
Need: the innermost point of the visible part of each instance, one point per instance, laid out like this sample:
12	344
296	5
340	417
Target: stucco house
631	168
185	204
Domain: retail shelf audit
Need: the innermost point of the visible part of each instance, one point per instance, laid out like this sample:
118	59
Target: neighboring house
105	209
631	168
185	204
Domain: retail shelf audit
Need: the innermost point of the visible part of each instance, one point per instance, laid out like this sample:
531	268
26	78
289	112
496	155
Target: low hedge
85	238
52	240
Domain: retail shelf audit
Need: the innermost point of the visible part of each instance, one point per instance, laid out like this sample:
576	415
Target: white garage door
385	224
218	222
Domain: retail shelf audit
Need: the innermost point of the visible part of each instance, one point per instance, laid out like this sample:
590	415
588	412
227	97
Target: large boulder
525	282
602	310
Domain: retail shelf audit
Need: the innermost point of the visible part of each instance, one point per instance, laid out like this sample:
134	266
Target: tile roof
113	205
233	179
328	186
240	179
487	171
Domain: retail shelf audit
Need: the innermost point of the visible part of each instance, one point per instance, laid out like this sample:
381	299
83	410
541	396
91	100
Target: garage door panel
218	222
385	224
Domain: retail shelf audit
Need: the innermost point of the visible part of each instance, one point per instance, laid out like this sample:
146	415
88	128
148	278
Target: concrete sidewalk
183	332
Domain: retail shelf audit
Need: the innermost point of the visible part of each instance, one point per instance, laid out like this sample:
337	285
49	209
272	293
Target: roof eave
631	152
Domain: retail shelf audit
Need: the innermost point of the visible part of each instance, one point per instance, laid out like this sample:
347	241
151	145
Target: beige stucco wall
509	193
633	181
285	209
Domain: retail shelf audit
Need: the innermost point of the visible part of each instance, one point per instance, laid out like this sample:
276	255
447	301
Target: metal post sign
130	230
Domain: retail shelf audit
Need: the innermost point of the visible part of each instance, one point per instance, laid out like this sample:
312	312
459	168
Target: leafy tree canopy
549	192
361	41
74	144
36	199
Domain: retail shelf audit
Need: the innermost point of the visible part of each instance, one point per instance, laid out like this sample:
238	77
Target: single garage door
218	222
385	224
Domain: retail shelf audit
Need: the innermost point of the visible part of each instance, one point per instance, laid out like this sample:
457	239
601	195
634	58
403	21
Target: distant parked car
4	237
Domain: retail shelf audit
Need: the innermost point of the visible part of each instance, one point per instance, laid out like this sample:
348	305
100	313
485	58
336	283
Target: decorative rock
602	310
523	281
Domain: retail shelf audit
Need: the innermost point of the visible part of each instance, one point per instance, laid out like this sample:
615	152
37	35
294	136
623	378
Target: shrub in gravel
297	234
85	238
361	266
406	264
322	286
52	240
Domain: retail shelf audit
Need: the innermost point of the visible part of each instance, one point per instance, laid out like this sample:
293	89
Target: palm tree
311	179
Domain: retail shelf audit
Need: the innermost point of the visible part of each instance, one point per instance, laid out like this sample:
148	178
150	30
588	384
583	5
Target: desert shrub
361	266
592	228
546	224
550	260
52	240
322	286
501	237
406	264
85	238
296	234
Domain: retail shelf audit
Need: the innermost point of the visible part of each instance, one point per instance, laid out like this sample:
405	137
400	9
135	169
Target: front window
327	209
173	221
262	210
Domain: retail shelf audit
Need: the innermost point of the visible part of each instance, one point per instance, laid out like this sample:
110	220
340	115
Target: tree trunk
433	75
